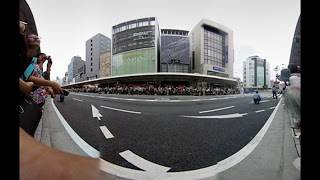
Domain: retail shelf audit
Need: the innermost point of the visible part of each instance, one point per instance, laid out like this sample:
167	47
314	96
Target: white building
212	50
256	72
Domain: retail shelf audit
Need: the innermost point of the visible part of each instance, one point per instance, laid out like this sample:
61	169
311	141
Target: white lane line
77	99
260	111
226	116
83	95
272	107
213	110
74	136
143	163
122	110
106	132
175	100
260	101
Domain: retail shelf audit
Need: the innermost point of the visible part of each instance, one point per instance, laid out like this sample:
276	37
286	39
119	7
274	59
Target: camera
65	92
49	59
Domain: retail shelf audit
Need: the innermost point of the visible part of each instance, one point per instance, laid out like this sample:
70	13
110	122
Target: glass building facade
214	43
175	51
256	72
135	46
260	74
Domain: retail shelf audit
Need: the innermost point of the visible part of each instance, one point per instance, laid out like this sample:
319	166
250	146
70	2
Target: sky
260	27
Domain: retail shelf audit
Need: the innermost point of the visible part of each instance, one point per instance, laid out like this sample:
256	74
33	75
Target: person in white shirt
256	98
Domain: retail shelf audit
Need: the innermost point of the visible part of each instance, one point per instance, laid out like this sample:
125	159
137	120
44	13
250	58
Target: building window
91	64
91	53
91	49
91	69
91	44
91	58
134	25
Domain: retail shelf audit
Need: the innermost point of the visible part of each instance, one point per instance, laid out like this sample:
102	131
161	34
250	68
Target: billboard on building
134	47
131	62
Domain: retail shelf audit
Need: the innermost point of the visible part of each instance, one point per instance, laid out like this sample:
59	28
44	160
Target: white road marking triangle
95	112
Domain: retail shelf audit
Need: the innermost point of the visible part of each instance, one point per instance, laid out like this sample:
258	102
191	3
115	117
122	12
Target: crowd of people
146	89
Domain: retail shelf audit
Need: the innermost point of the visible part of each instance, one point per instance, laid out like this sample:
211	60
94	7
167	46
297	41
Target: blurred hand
50	91
25	87
38	162
56	87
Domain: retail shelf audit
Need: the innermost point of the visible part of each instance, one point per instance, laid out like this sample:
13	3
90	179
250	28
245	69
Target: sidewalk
275	157
52	133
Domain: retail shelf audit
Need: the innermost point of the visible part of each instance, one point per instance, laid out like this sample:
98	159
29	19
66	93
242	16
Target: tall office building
73	67
135	47
256	72
212	49
81	72
175	51
95	46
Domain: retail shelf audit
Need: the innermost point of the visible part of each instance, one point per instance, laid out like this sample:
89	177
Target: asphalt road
181	133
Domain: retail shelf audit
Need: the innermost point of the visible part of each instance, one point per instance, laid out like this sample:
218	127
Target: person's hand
56	87
25	87
50	91
38	161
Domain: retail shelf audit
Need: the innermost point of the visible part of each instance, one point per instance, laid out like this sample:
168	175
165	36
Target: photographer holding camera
46	74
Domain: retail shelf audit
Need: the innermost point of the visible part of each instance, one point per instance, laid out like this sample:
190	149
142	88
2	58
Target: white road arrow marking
236	115
216	109
143	163
260	111
95	112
